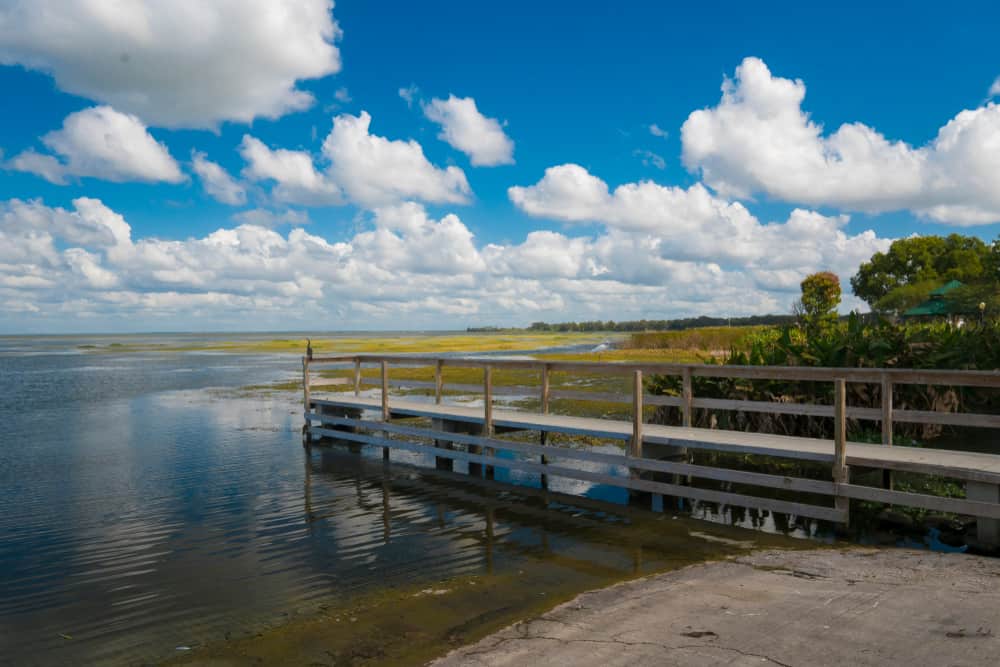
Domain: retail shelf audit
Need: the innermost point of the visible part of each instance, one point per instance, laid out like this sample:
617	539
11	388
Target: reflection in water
141	512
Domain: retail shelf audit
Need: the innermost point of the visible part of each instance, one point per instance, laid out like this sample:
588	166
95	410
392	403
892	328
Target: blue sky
572	90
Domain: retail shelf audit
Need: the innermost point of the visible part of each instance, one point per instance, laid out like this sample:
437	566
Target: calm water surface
147	507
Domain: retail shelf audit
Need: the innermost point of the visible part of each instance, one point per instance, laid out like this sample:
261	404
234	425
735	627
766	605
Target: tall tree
905	274
820	298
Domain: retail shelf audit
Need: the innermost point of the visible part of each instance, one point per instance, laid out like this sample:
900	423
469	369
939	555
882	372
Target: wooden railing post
385	405
545	389
543	436
438	382
488	413
887	424
357	376
385	391
636	444
488	400
306	437
840	471
687	395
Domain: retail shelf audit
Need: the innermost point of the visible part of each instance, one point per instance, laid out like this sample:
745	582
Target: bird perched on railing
309	349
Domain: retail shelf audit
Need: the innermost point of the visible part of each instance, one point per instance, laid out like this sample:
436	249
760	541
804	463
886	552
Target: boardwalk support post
687	397
357	376
306	403
987	530
543	436
887	425
642	498
488	412
438	381
385	404
656	453
841	473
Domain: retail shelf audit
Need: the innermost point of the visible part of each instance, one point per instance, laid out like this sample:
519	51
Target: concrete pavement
808	608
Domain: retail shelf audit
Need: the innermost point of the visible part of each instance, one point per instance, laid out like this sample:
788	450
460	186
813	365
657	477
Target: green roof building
936	305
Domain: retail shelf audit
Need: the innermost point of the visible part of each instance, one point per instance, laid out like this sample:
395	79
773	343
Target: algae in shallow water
540	549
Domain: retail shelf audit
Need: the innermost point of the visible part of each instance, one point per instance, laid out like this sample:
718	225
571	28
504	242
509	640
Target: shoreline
823	607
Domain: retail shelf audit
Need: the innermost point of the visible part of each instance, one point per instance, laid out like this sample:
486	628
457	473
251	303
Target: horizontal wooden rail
962	378
653	465
693	493
635	464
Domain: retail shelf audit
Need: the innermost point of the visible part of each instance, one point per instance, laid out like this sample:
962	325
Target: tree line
650	325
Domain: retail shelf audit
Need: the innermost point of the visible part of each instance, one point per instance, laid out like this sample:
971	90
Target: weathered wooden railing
475	429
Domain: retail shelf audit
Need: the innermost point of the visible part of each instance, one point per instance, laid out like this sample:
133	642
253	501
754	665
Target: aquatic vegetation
375	343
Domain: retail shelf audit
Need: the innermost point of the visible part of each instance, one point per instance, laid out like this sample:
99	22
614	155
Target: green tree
817	309
904	275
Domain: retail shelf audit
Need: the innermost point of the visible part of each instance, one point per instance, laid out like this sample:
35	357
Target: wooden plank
545	389
357	377
694	493
488	400
438	382
385	390
933	503
687	399
773	407
840	430
305	384
803	373
328	382
947	418
600	396
886	399
635	444
511	390
546	451
959	465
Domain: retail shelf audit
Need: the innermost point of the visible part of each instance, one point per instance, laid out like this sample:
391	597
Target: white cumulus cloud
183	63
101	143
296	177
463	127
693	225
405	266
217	181
364	168
375	171
758	139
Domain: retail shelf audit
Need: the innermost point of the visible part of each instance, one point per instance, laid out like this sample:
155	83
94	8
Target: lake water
148	507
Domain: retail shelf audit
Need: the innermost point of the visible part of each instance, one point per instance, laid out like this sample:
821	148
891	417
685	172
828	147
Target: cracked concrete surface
792	608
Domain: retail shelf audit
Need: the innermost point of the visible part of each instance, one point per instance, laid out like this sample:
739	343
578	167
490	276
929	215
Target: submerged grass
567	551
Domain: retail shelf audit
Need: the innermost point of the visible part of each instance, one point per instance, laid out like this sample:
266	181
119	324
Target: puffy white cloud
375	171
758	139
692	224
184	63
406	269
217	181
463	127
361	167
297	179
406	239
101	143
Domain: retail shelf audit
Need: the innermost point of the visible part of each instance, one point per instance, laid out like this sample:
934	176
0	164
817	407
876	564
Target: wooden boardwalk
656	456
